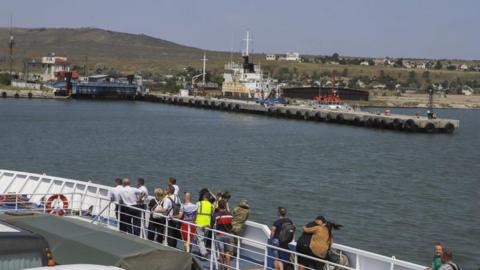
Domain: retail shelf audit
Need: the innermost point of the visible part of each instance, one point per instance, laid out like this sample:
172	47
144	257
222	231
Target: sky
446	29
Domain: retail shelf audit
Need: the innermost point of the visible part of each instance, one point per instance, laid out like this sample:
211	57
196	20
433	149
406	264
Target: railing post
118	206
81	203
295	266
188	238
165	239
142	225
108	213
212	251
265	263
237	259
16	202
392	265
357	262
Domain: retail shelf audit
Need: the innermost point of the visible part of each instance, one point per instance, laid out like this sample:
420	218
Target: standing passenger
321	240
437	257
189	215
115	196
156	224
129	209
203	221
223	224
240	215
141	185
447	260
281	225
172	207
172	181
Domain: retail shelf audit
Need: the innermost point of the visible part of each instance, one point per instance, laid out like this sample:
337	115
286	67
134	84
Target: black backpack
287	232
176	206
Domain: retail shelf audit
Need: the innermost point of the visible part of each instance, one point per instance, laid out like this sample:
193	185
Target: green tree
399	62
335	57
5	79
438	65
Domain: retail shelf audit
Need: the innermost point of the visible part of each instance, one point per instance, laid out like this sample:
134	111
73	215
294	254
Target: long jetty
396	122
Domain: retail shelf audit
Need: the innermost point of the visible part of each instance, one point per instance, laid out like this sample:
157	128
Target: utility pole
204	66
11	43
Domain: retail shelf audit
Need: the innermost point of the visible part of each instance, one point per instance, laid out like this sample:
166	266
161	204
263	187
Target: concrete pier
357	118
26	93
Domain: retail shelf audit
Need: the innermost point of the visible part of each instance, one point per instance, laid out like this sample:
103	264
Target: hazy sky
407	28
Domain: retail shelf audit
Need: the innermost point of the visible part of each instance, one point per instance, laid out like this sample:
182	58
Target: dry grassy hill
137	52
123	51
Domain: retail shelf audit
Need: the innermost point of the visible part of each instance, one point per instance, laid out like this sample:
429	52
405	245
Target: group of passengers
177	219
443	259
193	223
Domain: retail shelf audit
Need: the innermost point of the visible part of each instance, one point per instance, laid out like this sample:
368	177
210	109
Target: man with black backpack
172	208
282	233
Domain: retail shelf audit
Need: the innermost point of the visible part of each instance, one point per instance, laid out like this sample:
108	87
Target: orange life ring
2	199
57	211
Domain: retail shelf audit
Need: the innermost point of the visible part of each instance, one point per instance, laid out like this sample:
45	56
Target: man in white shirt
115	195
129	212
141	185
172	207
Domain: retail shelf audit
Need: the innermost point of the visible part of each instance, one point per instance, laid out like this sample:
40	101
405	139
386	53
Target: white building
464	67
294	56
421	65
54	64
364	63
271	57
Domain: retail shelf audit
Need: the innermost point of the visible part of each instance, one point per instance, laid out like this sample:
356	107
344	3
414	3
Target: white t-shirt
177	190
129	195
167	204
115	193
145	191
189	211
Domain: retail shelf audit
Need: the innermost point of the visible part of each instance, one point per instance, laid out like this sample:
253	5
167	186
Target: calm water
395	193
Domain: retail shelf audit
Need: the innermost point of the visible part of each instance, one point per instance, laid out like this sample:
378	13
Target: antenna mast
247	41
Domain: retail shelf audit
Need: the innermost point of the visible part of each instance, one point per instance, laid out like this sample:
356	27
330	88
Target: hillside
123	51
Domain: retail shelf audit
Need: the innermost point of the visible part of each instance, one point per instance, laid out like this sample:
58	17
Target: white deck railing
239	261
247	252
90	201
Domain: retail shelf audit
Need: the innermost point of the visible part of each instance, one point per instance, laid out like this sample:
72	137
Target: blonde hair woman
156	225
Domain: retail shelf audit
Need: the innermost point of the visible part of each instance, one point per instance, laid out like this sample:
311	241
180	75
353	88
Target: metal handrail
240	248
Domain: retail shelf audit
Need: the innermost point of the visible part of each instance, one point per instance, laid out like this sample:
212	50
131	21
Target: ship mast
247	45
